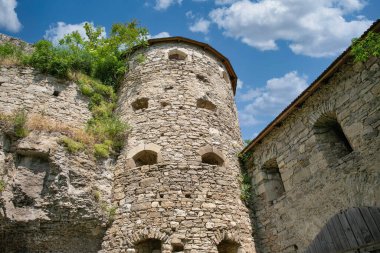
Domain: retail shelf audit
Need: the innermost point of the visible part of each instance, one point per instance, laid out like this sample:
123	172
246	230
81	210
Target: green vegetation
19	124
99	57
364	48
97	64
245	188
15	123
2	185
71	145
11	54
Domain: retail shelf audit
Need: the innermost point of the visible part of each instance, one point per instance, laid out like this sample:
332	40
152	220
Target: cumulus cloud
239	84
57	31
164	4
159	35
201	25
8	16
272	99
312	28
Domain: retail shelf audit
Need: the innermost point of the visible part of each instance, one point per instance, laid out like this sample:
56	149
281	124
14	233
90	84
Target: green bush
12	53
102	150
71	145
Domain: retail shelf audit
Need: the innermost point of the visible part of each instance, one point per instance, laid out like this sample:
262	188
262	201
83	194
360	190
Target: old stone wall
322	159
176	182
51	200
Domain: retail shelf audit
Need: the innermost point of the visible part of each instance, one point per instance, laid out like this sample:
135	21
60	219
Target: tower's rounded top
205	47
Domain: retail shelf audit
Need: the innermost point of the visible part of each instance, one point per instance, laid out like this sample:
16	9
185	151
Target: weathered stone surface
319	182
192	205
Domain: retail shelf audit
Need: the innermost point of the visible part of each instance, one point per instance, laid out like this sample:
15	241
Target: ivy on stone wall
366	47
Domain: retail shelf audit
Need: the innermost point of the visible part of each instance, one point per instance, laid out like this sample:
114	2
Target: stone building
319	162
175	186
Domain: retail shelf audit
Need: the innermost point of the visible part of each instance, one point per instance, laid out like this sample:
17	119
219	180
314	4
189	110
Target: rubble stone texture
183	116
321	173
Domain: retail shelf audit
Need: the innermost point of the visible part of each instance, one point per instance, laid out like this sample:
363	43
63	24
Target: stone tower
177	181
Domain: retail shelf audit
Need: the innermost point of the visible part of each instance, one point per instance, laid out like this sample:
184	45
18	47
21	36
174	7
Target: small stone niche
212	159
202	78
273	183
177	55
140	104
205	104
228	246
56	93
145	157
149	245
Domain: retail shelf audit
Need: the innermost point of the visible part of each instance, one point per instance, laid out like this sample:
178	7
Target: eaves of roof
297	103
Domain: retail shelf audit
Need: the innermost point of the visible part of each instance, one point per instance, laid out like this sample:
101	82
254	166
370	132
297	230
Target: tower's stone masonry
181	109
321	174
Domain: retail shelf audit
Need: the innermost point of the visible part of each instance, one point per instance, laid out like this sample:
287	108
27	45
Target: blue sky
277	47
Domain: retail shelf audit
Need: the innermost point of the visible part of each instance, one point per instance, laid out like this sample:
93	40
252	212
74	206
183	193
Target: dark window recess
274	186
178	56
164	104
145	157
149	245
228	246
188	195
141	103
202	78
56	93
330	137
212	159
205	104
177	247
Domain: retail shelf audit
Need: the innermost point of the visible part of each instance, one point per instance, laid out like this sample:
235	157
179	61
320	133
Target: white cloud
8	16
313	28
240	84
59	30
272	99
201	25
164	4
159	35
222	2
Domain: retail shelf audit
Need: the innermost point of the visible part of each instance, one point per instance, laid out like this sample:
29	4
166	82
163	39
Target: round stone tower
176	185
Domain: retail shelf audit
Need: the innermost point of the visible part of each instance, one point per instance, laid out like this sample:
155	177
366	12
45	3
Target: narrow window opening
331	138
145	157
141	103
205	104
188	195
177	55
212	159
177	247
168	88
273	184
56	93
164	104
228	246
225	76
202	78
150	245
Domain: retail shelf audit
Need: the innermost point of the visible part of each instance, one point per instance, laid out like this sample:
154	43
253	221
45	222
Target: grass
2	185
15	123
71	145
11	54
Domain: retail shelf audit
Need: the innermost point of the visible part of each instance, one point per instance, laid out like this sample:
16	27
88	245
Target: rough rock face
52	201
176	182
324	158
